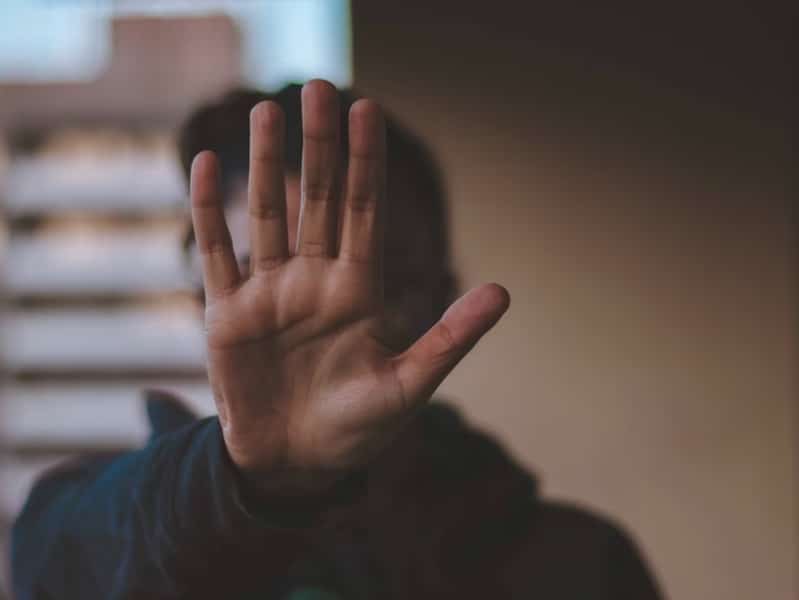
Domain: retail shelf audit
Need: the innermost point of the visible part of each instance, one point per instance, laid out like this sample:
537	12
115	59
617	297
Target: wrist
289	502
272	478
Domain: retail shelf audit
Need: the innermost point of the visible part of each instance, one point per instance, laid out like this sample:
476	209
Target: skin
304	376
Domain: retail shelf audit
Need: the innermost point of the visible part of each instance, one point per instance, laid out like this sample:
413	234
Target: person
328	472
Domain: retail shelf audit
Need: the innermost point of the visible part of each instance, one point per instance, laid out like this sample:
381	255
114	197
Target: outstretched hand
305	383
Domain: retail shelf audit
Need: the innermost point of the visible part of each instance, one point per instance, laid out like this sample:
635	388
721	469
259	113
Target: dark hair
417	257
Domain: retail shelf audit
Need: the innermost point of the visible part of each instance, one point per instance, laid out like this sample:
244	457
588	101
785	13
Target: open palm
305	381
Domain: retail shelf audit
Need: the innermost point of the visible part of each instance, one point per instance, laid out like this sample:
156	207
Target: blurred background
624	171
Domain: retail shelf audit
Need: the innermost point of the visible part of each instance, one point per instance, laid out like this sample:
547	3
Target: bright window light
283	41
294	41
44	41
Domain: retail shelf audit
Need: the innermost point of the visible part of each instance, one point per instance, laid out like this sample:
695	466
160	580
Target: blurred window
97	302
282	40
43	40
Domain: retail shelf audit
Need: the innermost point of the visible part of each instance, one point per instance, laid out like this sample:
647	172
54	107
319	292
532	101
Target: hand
306	385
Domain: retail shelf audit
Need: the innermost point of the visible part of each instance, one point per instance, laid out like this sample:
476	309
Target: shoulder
574	552
578	532
553	548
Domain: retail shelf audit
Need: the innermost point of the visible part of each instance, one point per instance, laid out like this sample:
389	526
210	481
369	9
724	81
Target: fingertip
203	178
320	109
366	109
267	114
486	303
367	128
319	91
497	296
204	162
318	82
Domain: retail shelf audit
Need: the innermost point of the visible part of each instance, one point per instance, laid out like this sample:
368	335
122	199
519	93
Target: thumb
423	366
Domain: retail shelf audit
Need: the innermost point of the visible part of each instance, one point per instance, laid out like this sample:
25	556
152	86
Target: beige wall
647	366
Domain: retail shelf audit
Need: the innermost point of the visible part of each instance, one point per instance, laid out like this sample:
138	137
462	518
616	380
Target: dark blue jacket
444	513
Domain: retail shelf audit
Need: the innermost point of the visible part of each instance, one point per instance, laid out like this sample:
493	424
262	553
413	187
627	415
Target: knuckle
356	257
444	344
361	202
215	247
267	263
318	191
313	248
267	157
266	211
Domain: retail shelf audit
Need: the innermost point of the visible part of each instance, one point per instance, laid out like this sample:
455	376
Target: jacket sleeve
170	520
